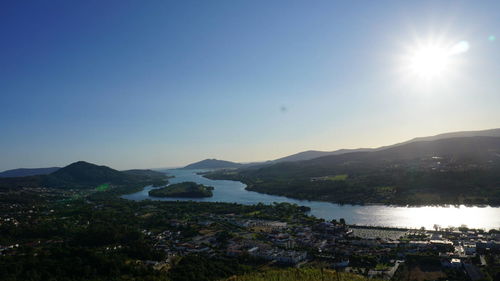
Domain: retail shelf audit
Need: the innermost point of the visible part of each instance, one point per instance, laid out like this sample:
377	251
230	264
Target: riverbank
369	215
422	200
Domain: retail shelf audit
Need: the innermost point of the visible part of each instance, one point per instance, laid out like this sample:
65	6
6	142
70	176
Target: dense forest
183	189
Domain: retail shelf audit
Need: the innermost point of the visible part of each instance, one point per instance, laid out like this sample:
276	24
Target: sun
433	59
430	61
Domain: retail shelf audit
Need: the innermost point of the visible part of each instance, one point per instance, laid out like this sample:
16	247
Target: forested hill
446	171
85	175
212	164
454	152
312	154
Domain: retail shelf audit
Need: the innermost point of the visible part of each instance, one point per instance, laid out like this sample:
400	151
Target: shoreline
443	205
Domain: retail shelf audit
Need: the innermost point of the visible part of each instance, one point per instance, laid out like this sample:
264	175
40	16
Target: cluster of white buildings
278	255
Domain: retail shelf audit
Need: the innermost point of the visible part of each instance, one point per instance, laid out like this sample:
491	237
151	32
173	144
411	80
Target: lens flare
460	47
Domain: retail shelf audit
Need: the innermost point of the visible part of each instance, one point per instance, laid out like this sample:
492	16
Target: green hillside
295	274
83	175
448	171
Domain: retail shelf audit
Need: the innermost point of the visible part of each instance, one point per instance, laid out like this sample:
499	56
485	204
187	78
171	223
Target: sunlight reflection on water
411	217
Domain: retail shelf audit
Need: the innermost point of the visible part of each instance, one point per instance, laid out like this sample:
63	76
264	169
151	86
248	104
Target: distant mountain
213	164
24	172
471	149
86	175
311	154
462	134
475	149
144	172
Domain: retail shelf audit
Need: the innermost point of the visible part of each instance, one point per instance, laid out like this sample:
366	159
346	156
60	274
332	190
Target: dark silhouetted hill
457	170
311	154
212	164
24	172
86	175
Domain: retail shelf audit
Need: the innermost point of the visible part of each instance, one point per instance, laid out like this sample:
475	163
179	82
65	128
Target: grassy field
295	274
102	187
339	177
373	233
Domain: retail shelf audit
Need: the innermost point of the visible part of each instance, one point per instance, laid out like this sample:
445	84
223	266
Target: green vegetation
184	189
467	171
204	268
83	175
295	274
102	187
342	177
103	238
423	267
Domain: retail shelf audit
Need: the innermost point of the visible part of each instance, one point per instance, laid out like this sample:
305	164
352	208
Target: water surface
378	215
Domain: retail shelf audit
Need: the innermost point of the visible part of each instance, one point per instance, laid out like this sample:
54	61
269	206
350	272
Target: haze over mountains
477	149
213	164
312	154
301	156
456	168
24	172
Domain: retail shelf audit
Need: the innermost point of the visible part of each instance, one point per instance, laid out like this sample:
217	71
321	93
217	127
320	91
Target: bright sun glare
430	61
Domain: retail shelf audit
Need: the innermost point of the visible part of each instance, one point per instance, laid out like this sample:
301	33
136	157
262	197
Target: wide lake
376	215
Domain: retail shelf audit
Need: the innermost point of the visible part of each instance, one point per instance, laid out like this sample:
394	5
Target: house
453	263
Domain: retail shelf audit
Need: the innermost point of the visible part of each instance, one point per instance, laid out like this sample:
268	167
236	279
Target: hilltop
212	164
85	175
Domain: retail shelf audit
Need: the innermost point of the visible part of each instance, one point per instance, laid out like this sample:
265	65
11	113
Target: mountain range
434	170
24	172
312	154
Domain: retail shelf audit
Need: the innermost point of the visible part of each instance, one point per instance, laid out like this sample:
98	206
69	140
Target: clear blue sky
134	84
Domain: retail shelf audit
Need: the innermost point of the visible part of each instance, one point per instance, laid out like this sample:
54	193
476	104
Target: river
375	215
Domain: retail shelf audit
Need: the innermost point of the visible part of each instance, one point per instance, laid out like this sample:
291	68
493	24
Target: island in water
183	189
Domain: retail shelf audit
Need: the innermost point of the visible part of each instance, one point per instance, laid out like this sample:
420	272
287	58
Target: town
158	235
